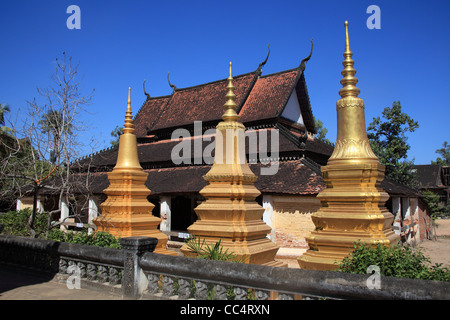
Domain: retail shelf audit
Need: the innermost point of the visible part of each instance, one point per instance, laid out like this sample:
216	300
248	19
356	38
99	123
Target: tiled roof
269	96
201	103
429	175
146	117
395	188
293	177
159	153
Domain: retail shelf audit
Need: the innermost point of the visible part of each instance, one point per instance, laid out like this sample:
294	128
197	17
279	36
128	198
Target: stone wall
136	272
292	220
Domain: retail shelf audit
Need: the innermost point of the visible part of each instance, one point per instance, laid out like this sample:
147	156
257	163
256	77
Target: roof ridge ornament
174	87
303	62
262	64
145	92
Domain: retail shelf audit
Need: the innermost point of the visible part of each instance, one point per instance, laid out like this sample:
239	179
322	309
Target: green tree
118	130
432	200
444	159
4	108
321	131
389	142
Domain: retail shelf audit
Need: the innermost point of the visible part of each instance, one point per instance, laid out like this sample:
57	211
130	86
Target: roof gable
268	96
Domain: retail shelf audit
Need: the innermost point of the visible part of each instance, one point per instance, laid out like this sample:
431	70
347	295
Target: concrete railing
136	272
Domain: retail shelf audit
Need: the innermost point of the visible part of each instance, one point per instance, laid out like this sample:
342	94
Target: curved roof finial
265	61
145	92
303	63
171	85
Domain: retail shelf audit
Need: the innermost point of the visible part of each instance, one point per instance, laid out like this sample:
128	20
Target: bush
16	223
208	252
394	261
99	239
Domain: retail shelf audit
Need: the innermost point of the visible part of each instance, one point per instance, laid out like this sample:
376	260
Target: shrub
16	223
205	251
100	239
394	261
211	252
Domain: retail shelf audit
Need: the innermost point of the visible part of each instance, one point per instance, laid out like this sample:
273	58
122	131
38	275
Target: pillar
64	212
397	212
134	280
165	213
267	204
406	215
92	212
19	204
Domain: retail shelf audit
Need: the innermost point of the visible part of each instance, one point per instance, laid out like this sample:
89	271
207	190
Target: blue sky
121	43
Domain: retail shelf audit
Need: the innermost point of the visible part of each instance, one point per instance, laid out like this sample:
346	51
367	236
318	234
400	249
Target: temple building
175	135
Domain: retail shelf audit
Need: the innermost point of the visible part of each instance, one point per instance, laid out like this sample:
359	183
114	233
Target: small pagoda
230	212
352	205
126	211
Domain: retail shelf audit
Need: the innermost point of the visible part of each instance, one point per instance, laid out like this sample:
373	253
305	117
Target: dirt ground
438	250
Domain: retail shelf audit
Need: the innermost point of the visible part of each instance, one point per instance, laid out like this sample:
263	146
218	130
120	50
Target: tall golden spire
349	81
129	126
353	202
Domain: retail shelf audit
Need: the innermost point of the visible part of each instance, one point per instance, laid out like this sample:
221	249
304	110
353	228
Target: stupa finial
349	80
230	106
129	126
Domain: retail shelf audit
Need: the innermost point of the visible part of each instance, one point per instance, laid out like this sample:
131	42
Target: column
64	212
267	204
406	214
415	217
134	281
165	213
39	206
93	212
19	205
397	212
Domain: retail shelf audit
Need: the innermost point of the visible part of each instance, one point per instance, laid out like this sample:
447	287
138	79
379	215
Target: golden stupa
230	212
126	212
352	205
